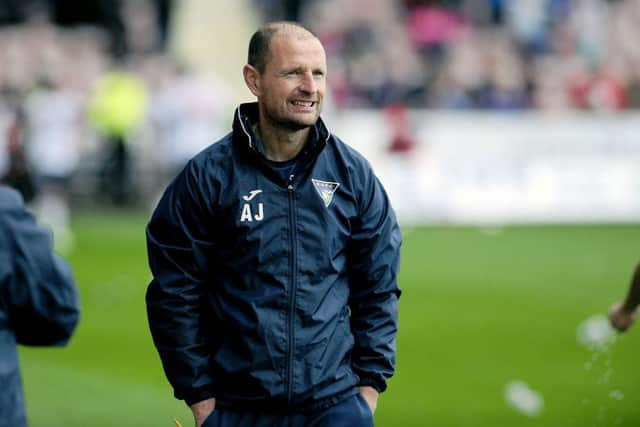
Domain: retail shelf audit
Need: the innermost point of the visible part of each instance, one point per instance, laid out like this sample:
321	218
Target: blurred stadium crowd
92	108
83	83
478	54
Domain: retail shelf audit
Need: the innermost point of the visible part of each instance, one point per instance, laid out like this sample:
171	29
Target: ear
252	79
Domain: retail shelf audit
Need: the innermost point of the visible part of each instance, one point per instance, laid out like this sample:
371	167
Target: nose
308	83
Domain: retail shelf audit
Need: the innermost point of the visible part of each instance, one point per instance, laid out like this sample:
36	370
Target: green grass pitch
480	308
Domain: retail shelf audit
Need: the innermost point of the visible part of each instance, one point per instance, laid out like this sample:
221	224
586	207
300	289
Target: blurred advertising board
490	168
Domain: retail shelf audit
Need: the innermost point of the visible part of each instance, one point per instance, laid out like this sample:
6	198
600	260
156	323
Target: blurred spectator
598	91
164	14
280	10
402	140
188	113
633	84
527	20
507	80
485	13
15	11
433	27
105	14
54	117
14	167
117	108
463	76
141	27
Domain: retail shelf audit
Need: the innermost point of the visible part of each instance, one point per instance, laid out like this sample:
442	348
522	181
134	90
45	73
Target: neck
280	144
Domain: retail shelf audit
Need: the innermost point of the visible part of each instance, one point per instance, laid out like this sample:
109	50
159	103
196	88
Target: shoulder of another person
10	199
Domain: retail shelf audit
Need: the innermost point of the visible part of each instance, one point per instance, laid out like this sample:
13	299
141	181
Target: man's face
293	83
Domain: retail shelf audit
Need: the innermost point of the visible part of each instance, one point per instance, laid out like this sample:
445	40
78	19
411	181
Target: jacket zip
294	285
293	261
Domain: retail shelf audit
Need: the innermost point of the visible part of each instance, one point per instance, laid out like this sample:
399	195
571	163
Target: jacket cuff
379	385
196	395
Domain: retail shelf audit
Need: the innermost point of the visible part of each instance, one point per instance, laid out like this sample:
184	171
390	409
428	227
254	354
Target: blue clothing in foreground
38	299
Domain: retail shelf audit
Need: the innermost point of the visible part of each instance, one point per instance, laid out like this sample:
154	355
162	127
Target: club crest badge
325	190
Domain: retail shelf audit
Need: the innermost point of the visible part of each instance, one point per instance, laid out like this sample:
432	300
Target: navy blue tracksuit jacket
274	293
38	299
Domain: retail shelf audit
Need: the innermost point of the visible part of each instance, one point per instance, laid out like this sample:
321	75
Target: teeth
303	104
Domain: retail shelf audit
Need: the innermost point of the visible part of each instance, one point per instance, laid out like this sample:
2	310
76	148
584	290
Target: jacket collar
246	115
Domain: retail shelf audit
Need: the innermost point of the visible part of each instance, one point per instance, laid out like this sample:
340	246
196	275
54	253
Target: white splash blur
616	394
522	398
596	333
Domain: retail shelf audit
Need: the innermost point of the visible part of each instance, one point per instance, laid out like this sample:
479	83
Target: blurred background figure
402	139
54	117
118	107
38	298
623	314
186	110
13	158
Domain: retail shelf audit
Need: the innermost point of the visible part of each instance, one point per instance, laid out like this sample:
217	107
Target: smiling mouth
307	104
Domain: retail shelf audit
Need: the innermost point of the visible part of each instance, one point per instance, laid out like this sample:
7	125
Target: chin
299	124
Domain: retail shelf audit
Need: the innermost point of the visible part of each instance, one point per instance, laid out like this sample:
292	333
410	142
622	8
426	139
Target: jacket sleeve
39	293
176	242
374	260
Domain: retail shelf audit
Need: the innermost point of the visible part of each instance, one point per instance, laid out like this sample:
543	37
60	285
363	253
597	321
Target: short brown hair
259	45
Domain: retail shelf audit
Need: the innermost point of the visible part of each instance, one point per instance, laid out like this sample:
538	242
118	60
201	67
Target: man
274	255
623	314
38	299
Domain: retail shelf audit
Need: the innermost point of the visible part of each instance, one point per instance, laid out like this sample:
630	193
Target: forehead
296	50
